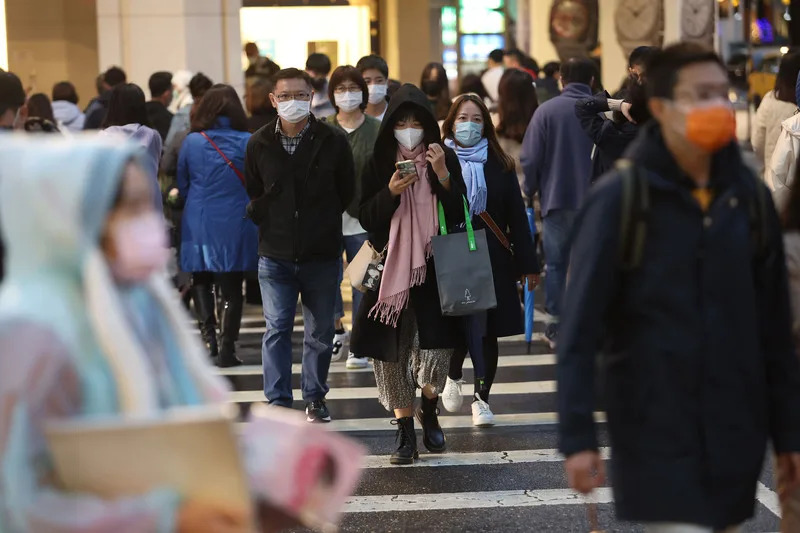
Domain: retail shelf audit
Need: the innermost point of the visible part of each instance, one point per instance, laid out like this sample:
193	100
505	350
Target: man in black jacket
693	320
299	174
160	85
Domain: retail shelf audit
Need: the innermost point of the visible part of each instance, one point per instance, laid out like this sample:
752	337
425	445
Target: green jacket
362	142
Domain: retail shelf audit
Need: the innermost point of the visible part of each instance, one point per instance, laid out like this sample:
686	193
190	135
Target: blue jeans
556	233
281	283
352	244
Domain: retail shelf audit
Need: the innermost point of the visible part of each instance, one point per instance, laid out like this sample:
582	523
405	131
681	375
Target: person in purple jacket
556	159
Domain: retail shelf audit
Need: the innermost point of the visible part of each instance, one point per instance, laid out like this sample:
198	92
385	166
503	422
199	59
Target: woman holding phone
496	205
401	325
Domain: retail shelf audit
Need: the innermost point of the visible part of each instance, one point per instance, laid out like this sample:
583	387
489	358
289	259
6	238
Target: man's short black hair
496	55
516	53
641	55
114	76
159	83
318	63
199	84
373	62
293	74
665	65
12	95
551	69
65	91
578	70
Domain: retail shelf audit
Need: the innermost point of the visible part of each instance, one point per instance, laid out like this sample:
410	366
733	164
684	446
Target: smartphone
406	167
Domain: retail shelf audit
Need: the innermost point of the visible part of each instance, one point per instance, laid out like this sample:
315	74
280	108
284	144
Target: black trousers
491	354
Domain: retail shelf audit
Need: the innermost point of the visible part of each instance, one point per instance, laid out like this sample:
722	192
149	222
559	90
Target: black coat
505	205
370	337
611	138
297	201
698	365
160	118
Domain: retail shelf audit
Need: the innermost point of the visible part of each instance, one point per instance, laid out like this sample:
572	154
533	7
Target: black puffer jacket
372	338
297	200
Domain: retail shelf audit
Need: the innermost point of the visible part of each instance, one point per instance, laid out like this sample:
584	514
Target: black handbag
463	269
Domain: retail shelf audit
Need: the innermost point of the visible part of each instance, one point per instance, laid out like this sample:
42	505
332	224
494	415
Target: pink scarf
414	223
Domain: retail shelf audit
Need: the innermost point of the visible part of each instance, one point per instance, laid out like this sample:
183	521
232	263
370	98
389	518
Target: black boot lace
401	434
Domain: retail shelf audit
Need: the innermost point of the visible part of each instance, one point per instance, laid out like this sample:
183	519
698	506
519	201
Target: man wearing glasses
299	175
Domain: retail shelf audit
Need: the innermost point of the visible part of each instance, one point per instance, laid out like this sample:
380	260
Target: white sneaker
452	398
356	363
339	342
482	416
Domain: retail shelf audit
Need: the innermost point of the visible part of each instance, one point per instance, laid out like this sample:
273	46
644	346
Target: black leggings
491	354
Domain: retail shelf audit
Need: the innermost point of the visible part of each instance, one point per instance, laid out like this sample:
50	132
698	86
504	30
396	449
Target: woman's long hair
518	102
220	101
786	80
488	127
127	106
435	85
39	106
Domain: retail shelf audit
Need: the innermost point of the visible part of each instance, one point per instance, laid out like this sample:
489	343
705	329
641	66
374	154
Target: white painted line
473	459
452	422
339	368
256	328
768	499
366	393
472	500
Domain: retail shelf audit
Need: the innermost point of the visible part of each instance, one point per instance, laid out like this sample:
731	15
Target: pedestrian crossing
508	478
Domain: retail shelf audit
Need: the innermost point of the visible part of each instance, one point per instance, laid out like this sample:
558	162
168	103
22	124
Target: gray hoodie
150	140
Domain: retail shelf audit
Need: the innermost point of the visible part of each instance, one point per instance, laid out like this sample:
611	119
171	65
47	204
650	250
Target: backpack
636	208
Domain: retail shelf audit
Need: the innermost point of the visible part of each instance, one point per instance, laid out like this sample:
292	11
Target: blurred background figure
259	66
96	112
181	121
436	86
516	58
471	83
549	84
218	244
66	112
183	96
318	66
491	77
375	72
161	90
259	105
40	114
776	106
518	102
637	62
127	118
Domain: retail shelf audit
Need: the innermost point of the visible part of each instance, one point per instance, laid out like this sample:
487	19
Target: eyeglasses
285	97
341	89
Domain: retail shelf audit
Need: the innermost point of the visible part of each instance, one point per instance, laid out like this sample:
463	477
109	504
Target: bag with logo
366	268
463	269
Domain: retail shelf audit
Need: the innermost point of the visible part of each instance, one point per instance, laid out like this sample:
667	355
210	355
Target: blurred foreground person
91	334
678	277
218	244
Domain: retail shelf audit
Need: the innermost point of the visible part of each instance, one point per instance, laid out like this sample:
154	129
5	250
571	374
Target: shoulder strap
492	225
224	157
758	215
633	220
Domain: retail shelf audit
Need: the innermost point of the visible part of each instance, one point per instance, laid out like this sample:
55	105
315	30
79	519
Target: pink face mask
141	245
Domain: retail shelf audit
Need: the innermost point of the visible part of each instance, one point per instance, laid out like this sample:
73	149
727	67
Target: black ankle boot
432	434
230	321
407	451
204	308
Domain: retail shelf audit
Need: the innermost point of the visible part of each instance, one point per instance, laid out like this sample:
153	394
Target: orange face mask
710	128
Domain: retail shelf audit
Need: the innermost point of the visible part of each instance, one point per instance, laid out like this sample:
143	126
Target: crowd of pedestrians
663	253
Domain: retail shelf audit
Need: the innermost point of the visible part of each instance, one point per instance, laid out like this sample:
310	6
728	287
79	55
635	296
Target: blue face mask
468	133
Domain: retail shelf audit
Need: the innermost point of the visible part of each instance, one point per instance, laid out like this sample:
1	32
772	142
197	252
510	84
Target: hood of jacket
792	126
407	97
66	112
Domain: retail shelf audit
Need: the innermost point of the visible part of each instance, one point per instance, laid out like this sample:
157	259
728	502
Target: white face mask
349	101
294	110
377	93
409	138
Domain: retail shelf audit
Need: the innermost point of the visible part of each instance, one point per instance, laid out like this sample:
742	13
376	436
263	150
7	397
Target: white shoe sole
482	423
356	363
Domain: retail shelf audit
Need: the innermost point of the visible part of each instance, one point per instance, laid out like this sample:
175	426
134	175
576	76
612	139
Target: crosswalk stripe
504	362
768	498
453	422
460	500
365	393
479	458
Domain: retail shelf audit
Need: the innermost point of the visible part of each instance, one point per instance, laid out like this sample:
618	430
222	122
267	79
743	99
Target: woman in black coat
400	325
497	206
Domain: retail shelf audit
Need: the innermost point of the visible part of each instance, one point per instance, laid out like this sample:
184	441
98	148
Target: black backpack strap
633	217
758	209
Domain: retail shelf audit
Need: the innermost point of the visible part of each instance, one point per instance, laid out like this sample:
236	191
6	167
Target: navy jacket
556	154
698	366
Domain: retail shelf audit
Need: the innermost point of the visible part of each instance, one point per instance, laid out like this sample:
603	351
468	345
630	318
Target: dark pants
484	352
281	283
228	283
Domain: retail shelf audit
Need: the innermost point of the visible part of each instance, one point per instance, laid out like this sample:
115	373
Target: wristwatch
639	23
573	27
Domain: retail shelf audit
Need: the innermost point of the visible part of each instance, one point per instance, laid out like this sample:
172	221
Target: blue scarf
472	160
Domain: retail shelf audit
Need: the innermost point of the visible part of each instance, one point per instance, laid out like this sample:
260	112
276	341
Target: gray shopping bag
463	269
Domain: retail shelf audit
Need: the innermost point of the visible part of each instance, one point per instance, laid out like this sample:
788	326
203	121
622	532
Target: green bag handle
467	218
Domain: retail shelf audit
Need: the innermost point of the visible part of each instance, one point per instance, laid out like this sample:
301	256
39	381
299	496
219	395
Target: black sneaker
317	412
